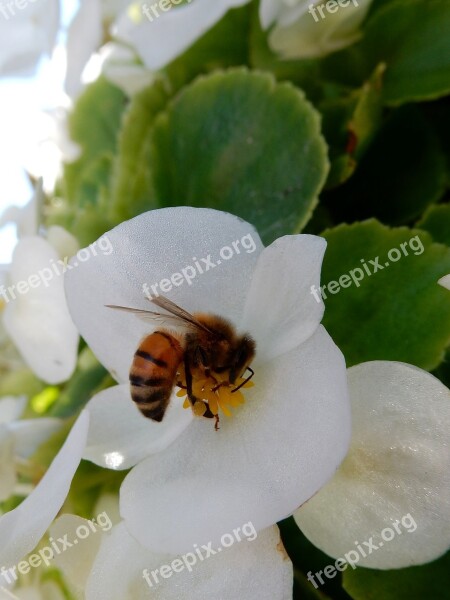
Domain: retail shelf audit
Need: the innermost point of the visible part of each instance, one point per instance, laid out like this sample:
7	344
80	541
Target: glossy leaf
396	310
240	142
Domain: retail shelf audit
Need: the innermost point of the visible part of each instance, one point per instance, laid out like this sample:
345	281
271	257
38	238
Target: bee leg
219	385
187	369
216	425
252	372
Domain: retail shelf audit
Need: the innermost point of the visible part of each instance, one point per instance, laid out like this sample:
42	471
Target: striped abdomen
152	374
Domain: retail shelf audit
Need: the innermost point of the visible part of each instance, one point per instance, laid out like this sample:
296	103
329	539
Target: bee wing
154	317
177	312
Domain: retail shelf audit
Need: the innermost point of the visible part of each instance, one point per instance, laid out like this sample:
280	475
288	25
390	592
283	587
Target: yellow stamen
199	408
214	392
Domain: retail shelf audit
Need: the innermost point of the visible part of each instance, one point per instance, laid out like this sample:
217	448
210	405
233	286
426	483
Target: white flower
114	566
36	317
445	281
282	12
10	359
301	32
160	39
26	34
83	39
22	528
86	35
391	495
121	66
25	217
288	438
19	439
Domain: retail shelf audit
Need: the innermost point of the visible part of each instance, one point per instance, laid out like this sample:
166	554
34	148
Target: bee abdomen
153	372
152	402
137	381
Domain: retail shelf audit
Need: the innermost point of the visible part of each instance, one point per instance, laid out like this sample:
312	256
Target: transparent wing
177	311
154	317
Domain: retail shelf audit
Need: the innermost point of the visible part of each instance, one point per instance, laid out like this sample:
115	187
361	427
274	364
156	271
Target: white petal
23	593
76	561
121	67
310	37
84	37
162	39
31	433
268	12
112	8
8	476
12	214
47	590
274	453
26	34
145	250
251	570
11	408
120	436
65	244
281	312
445	281
284	12
26	218
36	316
60	135
22	528
108	503
397	470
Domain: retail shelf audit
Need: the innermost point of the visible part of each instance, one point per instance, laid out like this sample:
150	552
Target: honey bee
208	346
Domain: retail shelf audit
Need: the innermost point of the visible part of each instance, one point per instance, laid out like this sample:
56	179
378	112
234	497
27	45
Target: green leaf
437	222
349	124
336	115
224	45
368	112
443	371
401	173
22	382
309	560
89	376
238	141
414	583
133	191
398	312
413	39
95	182
94	125
89	483
438	115
304	73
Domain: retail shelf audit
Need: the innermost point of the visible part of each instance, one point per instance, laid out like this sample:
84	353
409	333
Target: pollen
214	392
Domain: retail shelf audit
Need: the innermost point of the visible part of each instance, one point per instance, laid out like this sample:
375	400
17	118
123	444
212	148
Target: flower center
213	393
